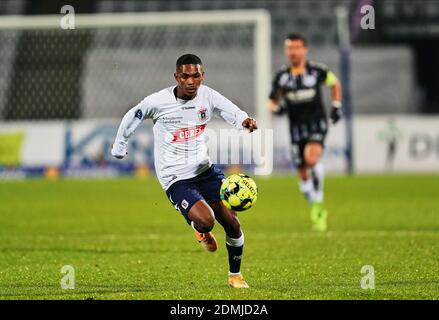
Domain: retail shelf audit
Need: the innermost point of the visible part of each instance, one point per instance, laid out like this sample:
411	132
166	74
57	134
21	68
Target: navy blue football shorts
206	186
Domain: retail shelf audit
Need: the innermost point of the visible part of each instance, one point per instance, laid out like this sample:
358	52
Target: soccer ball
239	192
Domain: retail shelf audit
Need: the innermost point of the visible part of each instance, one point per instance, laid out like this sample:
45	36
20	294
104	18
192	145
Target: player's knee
311	161
312	154
205	222
203	216
204	226
303	172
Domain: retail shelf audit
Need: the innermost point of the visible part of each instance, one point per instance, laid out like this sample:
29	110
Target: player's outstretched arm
231	113
128	125
131	120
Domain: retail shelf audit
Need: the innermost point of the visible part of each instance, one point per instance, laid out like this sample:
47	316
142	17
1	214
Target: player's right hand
117	153
273	106
277	107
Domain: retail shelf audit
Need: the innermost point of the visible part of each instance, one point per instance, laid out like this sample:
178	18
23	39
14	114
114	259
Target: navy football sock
235	248
235	257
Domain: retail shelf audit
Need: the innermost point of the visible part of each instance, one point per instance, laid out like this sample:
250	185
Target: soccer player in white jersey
192	183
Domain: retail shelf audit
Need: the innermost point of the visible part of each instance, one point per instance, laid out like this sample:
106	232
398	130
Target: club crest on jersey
309	80
202	113
186	134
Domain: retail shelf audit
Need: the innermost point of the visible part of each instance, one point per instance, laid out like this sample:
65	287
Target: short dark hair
188	58
296	36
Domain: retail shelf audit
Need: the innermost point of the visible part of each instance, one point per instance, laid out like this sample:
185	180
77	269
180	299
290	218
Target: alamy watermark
68	280
68	19
368	19
368	278
223	146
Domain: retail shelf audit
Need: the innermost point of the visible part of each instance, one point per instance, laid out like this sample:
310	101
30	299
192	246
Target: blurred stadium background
62	92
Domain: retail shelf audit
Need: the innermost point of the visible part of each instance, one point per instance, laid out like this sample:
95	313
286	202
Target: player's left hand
336	113
250	124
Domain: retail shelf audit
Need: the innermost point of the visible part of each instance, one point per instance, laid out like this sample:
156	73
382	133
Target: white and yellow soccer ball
239	192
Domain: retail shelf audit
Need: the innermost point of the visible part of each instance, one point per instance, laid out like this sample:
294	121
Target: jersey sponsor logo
184	204
171	120
188	108
186	134
300	96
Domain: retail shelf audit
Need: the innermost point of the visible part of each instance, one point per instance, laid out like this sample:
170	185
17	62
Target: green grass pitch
126	241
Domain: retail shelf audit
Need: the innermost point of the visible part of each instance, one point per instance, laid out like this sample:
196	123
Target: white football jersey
180	151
